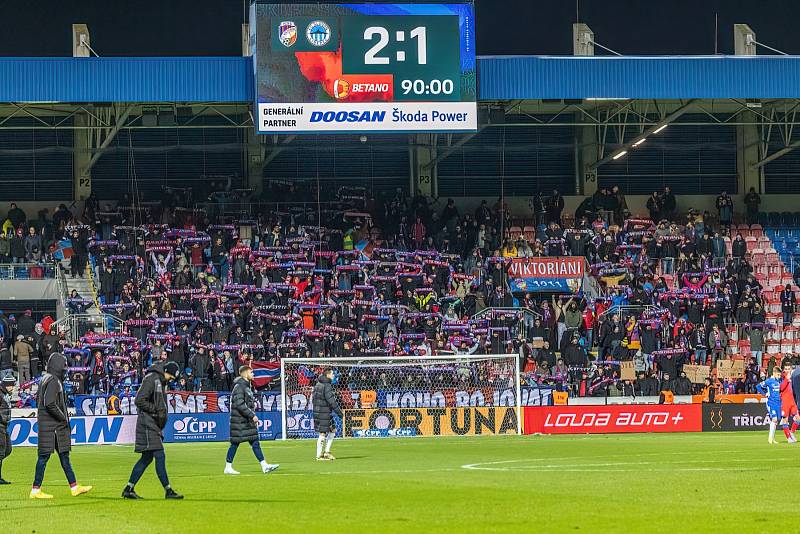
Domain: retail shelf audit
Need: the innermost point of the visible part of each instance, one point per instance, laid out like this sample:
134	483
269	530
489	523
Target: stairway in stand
85	288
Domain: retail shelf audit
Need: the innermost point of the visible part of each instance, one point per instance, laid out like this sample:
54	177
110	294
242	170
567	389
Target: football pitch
712	482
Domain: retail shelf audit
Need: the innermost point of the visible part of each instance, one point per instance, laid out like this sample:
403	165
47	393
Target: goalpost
383	396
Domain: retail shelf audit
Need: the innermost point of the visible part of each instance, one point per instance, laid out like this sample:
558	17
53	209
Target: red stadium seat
744	347
530	233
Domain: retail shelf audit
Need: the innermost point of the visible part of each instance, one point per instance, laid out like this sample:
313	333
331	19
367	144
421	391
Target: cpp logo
300	421
191	425
264	424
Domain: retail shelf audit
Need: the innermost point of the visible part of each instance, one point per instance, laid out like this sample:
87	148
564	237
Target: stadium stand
211	289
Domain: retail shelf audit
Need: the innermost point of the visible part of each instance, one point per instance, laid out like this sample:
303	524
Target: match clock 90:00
432	87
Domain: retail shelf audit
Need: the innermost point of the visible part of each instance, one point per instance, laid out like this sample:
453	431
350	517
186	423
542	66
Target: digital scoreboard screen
361	68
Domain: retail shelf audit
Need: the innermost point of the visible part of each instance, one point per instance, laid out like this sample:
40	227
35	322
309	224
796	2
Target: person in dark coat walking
54	431
6	387
244	421
325	405
151	403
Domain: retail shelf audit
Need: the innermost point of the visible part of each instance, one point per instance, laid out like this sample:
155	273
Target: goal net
407	396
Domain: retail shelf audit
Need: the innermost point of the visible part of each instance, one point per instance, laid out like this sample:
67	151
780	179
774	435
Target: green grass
619	483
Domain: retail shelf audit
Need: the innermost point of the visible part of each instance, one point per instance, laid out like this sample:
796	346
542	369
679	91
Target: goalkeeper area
694	482
423	396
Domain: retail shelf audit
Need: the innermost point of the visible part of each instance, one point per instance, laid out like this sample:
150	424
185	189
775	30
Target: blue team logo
287	33
318	33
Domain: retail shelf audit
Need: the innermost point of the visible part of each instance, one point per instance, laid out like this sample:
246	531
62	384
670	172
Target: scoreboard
362	68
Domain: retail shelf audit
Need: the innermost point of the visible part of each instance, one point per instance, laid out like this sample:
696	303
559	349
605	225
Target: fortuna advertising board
384	422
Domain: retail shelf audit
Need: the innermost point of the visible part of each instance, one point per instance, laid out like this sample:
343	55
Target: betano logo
341	89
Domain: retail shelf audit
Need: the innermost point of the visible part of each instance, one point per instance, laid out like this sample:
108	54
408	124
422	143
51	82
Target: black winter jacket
325	404
243	409
151	403
54	432
5	418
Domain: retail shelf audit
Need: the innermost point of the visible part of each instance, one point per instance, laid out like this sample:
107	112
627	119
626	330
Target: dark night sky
212	27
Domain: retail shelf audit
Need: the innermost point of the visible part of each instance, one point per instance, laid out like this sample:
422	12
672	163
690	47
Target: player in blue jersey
771	388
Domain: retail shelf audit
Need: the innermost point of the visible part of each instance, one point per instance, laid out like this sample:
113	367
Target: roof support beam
278	150
107	141
775	155
447	153
649	131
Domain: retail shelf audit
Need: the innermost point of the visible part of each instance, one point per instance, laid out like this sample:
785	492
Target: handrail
529	316
77	324
92	285
509	308
62	288
620	308
9	271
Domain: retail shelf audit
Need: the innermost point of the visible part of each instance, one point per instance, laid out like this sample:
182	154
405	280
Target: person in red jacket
588	324
788	405
418	233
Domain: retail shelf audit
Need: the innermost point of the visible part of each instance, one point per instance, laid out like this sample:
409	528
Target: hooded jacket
54	431
243	409
151	404
325	404
5	418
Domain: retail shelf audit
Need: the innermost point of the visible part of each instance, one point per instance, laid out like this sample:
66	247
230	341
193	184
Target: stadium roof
229	79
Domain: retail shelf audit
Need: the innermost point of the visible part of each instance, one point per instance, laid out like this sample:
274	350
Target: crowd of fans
212	289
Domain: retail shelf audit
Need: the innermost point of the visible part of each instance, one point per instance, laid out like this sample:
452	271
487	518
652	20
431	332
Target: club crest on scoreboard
318	33
287	33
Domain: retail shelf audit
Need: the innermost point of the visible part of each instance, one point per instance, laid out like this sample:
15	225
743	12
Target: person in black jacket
108	285
151	403
682	385
325	404
54	430
575	355
244	421
6	387
77	262
645	386
199	362
788	302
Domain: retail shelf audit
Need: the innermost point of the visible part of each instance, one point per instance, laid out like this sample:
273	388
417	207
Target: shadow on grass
89	500
189	498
